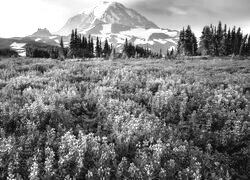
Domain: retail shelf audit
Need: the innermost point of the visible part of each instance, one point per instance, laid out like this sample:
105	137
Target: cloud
20	18
197	13
177	11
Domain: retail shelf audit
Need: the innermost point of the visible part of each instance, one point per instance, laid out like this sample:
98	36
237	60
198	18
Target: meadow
124	119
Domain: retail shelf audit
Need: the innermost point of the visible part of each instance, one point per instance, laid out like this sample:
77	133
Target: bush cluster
149	119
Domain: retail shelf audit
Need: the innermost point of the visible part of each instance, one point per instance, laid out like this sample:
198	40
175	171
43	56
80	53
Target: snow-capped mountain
108	20
115	22
106	13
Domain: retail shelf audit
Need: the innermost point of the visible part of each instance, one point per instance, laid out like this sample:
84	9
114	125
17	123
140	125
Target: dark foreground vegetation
141	119
8	53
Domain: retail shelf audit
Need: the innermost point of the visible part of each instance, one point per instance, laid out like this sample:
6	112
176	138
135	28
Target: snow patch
23	54
86	30
17	46
52	37
172	47
161	41
106	29
57	41
140	41
164	41
99	10
146	33
172	41
151	42
38	39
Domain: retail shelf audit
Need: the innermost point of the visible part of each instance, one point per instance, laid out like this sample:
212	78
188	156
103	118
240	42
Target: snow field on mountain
146	33
106	28
99	10
19	47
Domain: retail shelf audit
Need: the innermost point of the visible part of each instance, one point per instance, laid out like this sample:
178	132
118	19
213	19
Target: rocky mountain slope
115	22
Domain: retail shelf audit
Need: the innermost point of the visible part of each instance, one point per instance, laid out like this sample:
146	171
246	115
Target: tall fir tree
219	34
61	43
181	43
91	47
61	52
238	41
98	48
72	44
125	48
188	41
106	49
242	46
233	40
187	44
72	40
194	45
229	47
205	41
248	46
220	40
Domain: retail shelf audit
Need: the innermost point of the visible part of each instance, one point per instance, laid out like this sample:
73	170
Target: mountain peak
41	33
106	13
98	9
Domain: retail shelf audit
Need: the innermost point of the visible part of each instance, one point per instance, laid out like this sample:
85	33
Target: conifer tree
248	46
187	44
106	49
233	40
125	48
188	41
160	54
194	45
219	34
238	41
213	47
205	41
242	45
221	40
61	43
101	50
181	43
98	48
72	44
168	54
61	52
172	52
91	47
229	42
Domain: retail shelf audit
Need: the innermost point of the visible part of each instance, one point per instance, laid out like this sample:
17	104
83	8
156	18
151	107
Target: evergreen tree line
80	47
132	51
221	41
215	41
42	51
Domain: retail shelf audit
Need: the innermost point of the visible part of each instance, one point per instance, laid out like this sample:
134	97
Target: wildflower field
124	119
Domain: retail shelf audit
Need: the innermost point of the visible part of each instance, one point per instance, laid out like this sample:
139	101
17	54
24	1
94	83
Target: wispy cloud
19	18
197	13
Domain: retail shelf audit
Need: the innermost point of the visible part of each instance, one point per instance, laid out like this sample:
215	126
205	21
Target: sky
23	17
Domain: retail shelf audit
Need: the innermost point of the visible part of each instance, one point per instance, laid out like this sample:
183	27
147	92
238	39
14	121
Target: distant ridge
41	33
